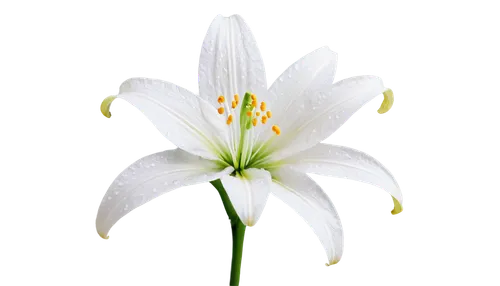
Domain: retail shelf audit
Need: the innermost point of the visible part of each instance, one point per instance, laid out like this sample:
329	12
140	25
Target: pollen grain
276	129
254	122
221	99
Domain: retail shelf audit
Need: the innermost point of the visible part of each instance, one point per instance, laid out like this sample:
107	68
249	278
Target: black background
183	241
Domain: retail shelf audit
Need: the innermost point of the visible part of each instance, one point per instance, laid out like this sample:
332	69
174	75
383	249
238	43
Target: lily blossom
256	140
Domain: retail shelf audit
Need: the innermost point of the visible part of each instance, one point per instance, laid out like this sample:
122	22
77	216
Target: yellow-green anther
106	103
388	101
246	106
397	206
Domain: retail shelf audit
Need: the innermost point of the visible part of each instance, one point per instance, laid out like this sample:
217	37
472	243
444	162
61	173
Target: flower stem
238	230
238	237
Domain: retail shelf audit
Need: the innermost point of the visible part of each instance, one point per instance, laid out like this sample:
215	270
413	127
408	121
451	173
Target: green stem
238	230
238	252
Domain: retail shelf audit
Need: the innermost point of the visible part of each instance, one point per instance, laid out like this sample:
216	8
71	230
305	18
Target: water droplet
109	198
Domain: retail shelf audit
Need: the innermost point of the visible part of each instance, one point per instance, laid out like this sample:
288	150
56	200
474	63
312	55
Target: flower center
252	112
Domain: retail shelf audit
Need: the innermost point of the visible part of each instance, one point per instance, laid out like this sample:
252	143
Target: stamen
221	99
269	114
264	119
253	97
236	98
257	113
220	110
229	119
233	104
249	113
254	122
263	106
276	129
254	103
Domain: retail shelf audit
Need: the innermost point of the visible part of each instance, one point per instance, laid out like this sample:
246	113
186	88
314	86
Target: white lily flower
254	139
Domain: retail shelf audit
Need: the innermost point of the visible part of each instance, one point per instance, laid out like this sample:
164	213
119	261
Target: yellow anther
257	113
249	113
254	103
221	99
254	122
236	98
269	114
233	104
263	106
253	97
264	119
220	110
229	119
276	129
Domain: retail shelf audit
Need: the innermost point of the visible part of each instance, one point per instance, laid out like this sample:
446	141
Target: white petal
343	162
151	177
230	62
309	201
305	76
323	112
184	118
248	192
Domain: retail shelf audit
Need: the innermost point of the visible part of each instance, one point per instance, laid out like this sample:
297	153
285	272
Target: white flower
254	139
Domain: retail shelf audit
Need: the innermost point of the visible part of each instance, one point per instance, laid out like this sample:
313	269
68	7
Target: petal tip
333	263
105	107
103	236
397	207
387	103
